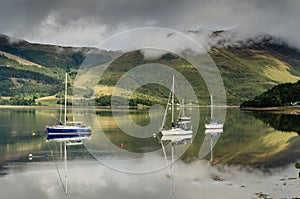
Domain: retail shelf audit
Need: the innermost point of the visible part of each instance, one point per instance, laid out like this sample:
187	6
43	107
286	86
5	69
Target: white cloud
80	32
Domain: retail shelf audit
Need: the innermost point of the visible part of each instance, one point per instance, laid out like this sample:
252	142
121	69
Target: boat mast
173	88
211	149
60	111
66	169
182	106
211	107
66	92
172	170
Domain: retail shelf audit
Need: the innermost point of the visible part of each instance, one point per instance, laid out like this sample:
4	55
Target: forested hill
51	56
281	95
247	69
30	70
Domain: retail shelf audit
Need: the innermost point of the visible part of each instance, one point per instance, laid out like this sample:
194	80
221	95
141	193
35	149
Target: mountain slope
48	55
247	69
279	95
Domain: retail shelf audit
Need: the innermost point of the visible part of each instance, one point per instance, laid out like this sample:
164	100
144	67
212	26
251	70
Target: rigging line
164	151
163	148
165	115
60	178
56	166
206	115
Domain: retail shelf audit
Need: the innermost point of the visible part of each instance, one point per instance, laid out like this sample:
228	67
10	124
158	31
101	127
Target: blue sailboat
73	130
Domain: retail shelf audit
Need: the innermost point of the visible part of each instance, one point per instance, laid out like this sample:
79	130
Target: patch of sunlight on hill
102	90
52	100
88	79
278	71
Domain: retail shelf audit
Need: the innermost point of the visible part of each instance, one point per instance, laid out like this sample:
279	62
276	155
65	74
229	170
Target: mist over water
89	179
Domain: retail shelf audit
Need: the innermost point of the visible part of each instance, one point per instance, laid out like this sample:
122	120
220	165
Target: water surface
252	157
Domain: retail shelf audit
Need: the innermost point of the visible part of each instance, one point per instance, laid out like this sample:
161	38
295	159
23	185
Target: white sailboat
182	116
213	123
182	127
69	130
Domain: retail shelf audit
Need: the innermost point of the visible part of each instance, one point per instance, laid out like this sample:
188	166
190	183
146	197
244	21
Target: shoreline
95	107
291	110
279	108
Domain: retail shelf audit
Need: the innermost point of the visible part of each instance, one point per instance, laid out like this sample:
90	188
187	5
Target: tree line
281	95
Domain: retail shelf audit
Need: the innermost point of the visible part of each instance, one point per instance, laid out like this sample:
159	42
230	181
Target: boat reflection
211	138
175	140
68	138
67	141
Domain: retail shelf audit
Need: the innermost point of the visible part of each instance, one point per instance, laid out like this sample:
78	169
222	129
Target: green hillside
280	95
145	93
49	55
18	79
247	70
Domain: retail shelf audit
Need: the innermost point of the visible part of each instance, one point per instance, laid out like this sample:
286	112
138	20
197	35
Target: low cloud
88	23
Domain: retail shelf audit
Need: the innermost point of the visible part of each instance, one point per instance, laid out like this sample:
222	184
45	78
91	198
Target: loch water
254	156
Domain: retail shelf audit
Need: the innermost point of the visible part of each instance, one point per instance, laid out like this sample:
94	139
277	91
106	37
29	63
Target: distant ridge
248	69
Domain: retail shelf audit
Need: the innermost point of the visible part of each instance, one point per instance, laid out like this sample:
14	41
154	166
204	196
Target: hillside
248	69
280	95
37	70
50	56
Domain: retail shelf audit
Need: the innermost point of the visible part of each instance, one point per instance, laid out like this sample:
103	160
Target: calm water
255	155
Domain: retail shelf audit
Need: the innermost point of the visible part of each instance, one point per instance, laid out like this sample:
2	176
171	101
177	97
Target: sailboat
68	130
181	128
213	123
182	116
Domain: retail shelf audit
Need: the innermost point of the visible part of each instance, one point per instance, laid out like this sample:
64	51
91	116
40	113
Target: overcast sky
86	23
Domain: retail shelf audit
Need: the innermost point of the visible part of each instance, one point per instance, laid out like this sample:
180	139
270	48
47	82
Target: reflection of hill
118	137
247	140
18	151
282	122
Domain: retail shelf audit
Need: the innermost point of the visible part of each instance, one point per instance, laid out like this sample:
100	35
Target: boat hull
68	130
176	131
68	133
214	126
185	119
177	138
213	131
68	137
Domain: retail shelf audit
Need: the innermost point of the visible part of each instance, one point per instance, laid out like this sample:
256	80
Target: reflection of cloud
91	180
